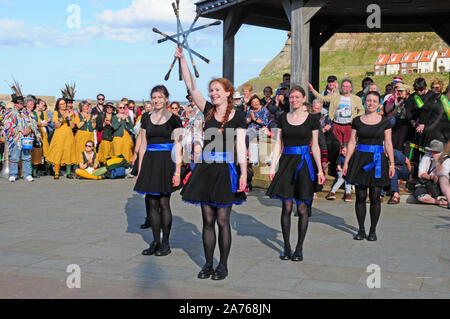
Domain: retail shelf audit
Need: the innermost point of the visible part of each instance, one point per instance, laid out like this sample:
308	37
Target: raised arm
189	80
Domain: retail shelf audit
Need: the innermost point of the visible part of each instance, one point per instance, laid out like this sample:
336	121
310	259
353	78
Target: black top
160	134
238	121
371	134
298	135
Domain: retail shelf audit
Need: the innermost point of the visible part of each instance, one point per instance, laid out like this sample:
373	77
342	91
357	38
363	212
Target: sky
108	46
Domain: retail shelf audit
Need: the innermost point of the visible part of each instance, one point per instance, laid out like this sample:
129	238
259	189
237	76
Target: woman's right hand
179	53
344	170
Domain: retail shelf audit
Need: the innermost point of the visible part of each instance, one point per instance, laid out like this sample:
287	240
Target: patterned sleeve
265	118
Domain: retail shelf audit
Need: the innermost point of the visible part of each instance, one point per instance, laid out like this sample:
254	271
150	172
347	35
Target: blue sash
304	152
225	157
377	150
160	147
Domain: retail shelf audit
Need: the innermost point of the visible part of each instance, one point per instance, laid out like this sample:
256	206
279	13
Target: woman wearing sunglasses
88	163
123	128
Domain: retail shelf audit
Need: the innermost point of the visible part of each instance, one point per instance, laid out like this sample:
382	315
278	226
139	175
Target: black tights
302	211
375	206
222	216
158	209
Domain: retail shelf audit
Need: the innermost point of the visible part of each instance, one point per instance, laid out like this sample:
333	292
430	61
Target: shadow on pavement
319	216
135	211
245	225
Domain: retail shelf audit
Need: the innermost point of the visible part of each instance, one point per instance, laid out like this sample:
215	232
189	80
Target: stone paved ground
47	225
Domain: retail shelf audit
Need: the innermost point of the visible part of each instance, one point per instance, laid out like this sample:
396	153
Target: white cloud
14	33
144	14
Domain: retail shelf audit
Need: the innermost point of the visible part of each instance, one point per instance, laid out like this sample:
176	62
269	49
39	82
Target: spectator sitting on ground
365	82
340	178
427	191
402	171
88	163
443	169
344	107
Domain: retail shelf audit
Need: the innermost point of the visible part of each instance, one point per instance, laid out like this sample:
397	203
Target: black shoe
69	176
147	224
297	256
163	250
372	237
286	254
360	235
206	272
151	251
220	273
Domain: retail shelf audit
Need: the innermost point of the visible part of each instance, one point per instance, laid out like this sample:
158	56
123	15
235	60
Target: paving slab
96	225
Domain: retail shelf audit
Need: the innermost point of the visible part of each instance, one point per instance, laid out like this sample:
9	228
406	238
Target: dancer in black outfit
214	183
368	167
294	180
158	174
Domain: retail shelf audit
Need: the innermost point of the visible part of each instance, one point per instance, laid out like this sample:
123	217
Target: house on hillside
410	62
443	61
427	63
393	65
380	64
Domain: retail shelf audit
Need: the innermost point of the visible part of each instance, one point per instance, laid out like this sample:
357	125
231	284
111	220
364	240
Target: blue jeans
402	173
339	181
14	157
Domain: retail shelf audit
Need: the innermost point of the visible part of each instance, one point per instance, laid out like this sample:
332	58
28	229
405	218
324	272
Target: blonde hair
247	86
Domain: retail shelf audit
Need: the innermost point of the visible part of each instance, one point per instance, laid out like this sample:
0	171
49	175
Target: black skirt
284	185
356	175
156	175
210	184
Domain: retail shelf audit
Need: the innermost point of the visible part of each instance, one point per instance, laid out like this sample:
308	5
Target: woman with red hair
214	183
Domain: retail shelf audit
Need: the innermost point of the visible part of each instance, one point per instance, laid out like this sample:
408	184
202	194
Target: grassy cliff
351	55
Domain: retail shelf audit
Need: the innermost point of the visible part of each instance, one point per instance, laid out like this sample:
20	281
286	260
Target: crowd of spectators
419	115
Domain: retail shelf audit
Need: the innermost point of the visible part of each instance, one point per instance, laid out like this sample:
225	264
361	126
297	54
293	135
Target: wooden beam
300	46
314	54
231	25
311	9
233	21
287	8
443	31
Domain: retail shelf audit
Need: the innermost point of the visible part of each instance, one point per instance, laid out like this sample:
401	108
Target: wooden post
300	45
231	25
314	55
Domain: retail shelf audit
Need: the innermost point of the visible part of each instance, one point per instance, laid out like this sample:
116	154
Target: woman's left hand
242	184
391	172
321	179
176	180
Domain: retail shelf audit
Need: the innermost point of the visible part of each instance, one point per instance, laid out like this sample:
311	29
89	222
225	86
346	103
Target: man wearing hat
238	102
18	124
428	190
332	86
